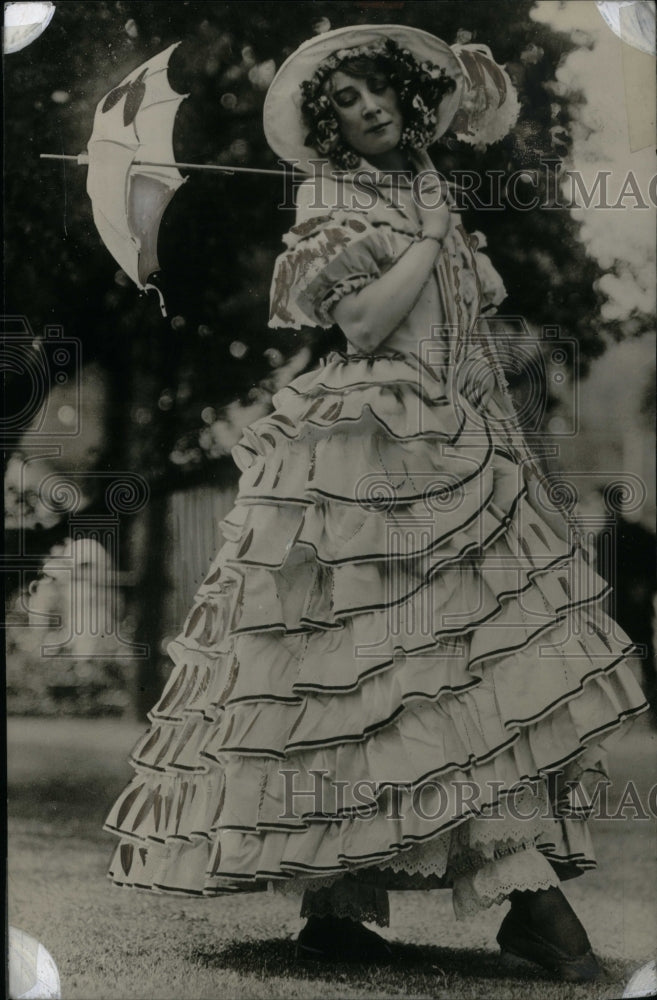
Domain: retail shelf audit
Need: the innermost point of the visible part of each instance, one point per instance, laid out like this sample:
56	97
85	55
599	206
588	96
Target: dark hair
419	86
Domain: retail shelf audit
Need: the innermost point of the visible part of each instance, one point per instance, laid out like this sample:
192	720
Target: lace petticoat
483	860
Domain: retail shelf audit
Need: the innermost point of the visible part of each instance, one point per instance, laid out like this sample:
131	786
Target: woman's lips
379	127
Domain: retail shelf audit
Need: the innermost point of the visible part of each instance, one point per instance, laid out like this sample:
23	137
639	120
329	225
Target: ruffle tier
389	622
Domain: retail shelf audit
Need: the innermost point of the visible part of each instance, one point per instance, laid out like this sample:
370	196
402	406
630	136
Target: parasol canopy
133	124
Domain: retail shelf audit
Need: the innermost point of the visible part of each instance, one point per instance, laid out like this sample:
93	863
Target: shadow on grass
77	809
413	969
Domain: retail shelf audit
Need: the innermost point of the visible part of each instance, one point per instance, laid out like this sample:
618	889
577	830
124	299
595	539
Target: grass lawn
109	943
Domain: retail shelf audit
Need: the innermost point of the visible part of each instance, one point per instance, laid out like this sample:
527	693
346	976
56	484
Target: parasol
128	204
133	174
133	123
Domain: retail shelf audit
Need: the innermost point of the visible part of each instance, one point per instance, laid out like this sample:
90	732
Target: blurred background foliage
170	384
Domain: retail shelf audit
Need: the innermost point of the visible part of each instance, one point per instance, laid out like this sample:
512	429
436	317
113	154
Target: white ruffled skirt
391	670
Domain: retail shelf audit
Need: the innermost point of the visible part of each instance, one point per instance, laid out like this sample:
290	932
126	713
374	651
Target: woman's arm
369	316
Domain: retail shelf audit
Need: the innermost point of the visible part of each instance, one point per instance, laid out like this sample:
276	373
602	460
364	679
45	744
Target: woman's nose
369	105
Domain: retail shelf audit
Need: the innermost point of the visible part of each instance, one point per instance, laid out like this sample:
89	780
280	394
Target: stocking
348	898
549	913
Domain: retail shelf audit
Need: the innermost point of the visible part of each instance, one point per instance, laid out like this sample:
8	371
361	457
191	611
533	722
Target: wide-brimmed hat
285	130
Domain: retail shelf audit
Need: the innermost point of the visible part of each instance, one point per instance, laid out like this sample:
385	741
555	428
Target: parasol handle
83	159
212	166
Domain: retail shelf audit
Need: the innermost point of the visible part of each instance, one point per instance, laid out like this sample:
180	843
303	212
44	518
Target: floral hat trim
416	82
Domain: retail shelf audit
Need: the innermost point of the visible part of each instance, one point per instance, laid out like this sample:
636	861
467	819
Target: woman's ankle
548	913
329	921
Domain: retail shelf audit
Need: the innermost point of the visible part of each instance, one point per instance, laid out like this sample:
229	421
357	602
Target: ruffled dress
399	659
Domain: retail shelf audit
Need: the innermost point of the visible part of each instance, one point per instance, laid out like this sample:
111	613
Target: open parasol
133	174
134	119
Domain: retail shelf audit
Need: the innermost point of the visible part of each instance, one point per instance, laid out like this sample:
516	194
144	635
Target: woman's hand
432	207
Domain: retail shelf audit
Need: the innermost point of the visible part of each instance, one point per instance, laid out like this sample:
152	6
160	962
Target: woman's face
368	112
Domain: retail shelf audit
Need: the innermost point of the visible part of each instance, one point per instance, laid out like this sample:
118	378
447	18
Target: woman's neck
392	161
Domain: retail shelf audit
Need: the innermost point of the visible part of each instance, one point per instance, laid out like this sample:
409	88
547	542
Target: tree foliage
220	235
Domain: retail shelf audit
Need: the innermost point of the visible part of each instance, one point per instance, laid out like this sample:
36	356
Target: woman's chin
384	142
374	150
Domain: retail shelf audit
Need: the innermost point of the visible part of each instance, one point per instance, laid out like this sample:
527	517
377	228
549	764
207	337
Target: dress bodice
337	246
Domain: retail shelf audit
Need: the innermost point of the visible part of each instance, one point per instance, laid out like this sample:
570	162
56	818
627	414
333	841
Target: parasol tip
148	288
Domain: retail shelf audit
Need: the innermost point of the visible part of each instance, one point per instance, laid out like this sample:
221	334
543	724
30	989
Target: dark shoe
521	941
333	939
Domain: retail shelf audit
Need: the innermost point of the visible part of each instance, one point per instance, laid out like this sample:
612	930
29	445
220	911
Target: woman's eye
378	84
345	98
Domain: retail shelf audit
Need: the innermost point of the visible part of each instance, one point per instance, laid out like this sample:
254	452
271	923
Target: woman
397	660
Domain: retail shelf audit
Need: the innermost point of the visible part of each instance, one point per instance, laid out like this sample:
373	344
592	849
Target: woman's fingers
431	188
435	219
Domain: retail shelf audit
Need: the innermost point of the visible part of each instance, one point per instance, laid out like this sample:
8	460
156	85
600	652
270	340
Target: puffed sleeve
328	256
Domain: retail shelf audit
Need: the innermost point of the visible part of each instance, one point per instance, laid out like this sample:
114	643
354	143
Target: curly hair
419	86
